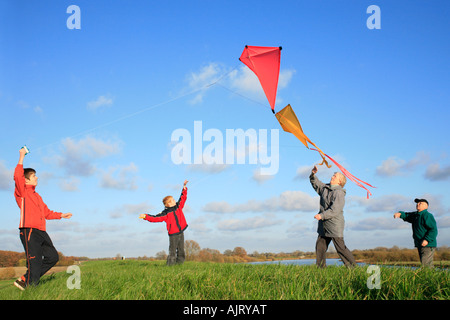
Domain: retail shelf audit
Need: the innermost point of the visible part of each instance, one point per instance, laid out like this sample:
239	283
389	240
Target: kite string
221	77
232	91
241	95
125	117
130	115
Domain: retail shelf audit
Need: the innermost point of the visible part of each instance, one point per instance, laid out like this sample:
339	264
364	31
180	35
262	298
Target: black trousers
176	249
344	253
40	253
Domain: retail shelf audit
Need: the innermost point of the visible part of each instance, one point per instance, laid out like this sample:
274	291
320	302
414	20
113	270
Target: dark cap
421	200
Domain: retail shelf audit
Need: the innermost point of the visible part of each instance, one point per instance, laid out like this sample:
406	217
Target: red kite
265	63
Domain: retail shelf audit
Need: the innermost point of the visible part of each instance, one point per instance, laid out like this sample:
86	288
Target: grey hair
342	179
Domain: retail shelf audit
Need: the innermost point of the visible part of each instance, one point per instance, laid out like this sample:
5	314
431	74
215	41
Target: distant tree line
18	259
380	254
238	255
395	254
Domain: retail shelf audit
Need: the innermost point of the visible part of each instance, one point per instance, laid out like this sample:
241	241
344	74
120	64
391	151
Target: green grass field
136	280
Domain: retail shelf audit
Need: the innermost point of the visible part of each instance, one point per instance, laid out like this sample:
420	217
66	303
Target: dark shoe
19	283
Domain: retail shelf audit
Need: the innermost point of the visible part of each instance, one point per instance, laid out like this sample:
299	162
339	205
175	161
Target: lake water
303	262
330	262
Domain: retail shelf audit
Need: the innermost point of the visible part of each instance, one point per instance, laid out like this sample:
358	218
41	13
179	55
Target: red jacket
173	216
33	211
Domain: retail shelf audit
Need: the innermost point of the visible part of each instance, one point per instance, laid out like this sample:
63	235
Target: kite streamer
350	176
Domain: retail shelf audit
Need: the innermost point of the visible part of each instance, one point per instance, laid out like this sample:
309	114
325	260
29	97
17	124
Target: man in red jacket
40	253
176	224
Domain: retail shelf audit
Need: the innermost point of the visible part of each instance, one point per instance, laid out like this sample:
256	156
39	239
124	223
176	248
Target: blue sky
98	106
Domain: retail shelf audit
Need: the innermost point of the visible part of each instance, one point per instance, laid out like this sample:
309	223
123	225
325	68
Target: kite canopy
265	63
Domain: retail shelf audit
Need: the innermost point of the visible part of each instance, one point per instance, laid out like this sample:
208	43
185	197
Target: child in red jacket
176	224
40	253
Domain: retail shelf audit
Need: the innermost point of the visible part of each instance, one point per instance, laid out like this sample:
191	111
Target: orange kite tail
289	122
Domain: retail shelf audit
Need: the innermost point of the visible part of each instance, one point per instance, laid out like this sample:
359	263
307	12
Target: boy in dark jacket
176	224
40	253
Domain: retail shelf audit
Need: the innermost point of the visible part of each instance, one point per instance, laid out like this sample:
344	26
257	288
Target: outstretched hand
142	216
314	170
66	215
22	152
185	183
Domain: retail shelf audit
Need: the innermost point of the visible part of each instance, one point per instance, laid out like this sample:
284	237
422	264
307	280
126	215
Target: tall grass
135	280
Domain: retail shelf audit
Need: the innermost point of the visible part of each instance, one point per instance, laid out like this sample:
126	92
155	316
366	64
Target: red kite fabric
265	63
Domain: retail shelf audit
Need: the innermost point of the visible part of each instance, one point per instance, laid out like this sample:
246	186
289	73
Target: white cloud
286	201
6	177
240	81
436	173
208	168
443	222
199	80
298	201
69	184
205	76
396	202
131	209
380	223
285	78
390	167
387	203
120	177
38	110
261	178
393	166
248	224
245	82
77	157
25	105
101	101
